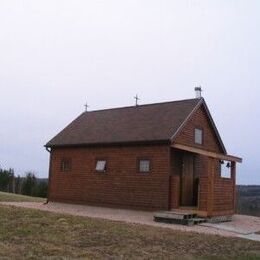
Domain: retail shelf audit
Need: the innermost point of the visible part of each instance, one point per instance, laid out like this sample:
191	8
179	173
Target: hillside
4	196
248	200
34	234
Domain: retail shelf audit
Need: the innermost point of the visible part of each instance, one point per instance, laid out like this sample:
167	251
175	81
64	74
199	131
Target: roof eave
128	143
215	127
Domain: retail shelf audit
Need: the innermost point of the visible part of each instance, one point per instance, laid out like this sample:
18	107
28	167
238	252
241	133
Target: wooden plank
207	153
187	180
174	215
233	177
187	222
196	211
211	175
197	221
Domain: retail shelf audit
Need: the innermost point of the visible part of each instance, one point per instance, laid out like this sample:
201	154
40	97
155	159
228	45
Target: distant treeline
248	200
29	185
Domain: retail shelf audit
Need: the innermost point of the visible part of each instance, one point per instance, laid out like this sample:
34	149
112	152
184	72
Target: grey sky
55	54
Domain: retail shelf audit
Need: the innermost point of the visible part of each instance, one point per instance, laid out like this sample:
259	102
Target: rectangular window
101	165
225	169
198	136
65	165
144	165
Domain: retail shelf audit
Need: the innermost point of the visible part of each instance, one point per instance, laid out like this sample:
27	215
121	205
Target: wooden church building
160	156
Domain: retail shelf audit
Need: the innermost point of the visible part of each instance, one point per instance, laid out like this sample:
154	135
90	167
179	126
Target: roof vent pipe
198	91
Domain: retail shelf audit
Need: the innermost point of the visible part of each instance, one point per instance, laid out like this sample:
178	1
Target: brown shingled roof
145	123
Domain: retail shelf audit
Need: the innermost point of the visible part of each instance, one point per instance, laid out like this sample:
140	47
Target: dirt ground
240	225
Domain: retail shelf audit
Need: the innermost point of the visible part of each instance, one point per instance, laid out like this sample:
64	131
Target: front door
187	181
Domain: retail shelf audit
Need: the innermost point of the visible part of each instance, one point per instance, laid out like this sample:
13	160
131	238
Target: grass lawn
4	196
28	233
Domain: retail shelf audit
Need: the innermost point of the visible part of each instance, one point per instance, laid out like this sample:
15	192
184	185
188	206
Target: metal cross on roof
86	106
136	100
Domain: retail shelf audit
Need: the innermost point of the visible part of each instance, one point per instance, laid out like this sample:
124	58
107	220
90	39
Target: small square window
225	169
198	136
144	165
65	165
101	165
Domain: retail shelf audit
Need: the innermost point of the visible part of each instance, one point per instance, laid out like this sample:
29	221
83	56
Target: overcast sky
55	55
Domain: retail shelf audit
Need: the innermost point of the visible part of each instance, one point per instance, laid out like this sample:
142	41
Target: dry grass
27	233
4	196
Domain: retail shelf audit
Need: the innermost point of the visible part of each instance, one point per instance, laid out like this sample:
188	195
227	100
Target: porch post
211	175
233	176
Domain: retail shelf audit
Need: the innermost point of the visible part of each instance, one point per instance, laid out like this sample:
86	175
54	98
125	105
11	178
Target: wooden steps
199	220
175	217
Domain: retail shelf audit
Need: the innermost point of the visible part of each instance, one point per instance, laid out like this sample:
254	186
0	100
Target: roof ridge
144	105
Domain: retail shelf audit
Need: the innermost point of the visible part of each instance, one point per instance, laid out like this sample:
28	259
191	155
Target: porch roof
219	156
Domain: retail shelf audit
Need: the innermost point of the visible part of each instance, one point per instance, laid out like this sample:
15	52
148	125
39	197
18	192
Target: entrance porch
196	184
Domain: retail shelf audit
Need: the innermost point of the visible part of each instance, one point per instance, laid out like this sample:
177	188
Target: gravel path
247	224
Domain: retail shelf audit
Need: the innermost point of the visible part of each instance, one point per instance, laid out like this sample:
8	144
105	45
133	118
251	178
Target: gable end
200	117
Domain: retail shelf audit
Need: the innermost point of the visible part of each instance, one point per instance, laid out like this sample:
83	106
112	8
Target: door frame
196	204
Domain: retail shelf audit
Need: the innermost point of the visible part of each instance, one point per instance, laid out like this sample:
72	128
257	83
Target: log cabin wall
121	185
224	191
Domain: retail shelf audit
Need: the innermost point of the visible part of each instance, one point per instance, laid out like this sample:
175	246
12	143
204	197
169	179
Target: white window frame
101	165
198	136
144	168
